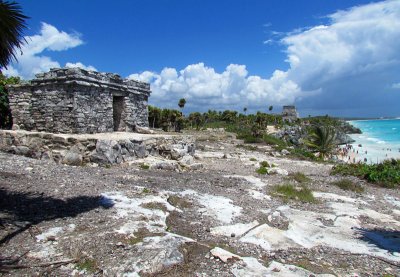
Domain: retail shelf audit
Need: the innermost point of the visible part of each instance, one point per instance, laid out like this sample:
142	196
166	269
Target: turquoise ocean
380	139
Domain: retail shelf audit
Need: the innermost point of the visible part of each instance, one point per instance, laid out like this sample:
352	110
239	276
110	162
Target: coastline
372	146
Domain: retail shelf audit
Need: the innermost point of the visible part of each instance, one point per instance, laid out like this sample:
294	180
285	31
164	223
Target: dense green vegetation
5	113
385	174
317	134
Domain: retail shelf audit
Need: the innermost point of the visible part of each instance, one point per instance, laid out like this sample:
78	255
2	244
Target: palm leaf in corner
12	24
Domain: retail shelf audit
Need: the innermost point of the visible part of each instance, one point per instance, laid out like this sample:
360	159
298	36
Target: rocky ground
211	215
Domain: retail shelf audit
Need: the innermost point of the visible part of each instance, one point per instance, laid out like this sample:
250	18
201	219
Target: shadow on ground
23	209
388	240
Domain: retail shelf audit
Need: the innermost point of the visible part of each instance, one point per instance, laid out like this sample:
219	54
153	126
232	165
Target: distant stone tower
289	113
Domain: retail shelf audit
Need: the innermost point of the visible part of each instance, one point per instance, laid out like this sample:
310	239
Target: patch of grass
271	140
154	206
248	138
141	234
313	267
385	174
290	192
300	177
146	190
265	164
253	159
262	170
346	184
88	265
144	166
302	154
179	202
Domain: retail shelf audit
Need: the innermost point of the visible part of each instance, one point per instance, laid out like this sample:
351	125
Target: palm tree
270	108
12	23
323	140
182	103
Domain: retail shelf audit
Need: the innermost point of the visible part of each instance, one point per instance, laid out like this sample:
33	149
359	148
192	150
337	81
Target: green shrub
288	191
299	177
144	166
253	159
271	140
89	265
347	184
385	174
265	164
302	154
262	170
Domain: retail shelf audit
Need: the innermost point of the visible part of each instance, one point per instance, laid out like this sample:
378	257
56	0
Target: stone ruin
289	113
74	100
60	115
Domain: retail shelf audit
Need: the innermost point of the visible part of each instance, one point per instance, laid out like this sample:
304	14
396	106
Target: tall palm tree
12	24
323	140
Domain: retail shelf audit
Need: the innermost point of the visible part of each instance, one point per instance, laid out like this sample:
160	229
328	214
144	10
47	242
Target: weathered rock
22	150
224	255
97	148
196	166
285	152
143	130
277	170
165	165
187	160
72	158
107	152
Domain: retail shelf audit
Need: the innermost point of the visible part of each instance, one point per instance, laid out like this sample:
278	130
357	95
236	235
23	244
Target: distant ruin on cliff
289	113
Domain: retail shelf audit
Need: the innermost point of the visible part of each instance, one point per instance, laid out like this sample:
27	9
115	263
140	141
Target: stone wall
73	100
97	148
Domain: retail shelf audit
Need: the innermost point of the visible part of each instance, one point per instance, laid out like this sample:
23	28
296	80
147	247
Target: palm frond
12	25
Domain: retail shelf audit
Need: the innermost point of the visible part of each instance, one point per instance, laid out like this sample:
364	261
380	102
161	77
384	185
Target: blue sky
337	57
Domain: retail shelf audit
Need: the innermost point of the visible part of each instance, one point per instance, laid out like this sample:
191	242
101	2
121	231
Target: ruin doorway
118	105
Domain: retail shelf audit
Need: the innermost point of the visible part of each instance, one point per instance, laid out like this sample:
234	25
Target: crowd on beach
352	154
348	153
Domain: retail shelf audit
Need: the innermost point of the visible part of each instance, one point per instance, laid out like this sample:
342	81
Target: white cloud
32	60
204	88
80	65
396	85
349	61
344	65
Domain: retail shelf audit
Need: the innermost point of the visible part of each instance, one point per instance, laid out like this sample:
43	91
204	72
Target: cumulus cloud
80	65
345	66
31	59
349	61
204	88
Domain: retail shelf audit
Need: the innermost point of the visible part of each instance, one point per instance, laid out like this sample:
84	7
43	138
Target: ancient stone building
74	100
289	113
